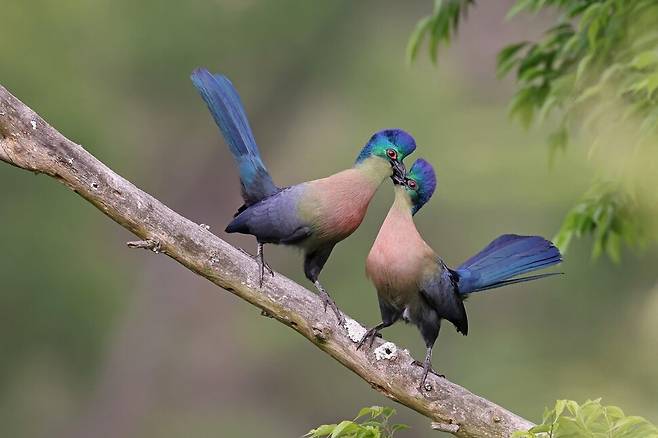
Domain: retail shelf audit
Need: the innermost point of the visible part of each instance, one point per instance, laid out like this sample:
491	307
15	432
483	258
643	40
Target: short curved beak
399	172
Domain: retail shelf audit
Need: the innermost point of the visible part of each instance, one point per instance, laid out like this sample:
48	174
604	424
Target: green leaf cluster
591	419
609	215
593	72
371	422
439	27
600	52
596	69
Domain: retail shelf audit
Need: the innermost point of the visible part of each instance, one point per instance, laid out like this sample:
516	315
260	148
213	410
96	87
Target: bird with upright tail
413	282
313	216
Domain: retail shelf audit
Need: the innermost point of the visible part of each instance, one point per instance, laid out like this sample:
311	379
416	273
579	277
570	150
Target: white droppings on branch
386	351
355	331
34	125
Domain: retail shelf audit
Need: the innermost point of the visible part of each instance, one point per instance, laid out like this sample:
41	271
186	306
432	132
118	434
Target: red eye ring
392	154
412	184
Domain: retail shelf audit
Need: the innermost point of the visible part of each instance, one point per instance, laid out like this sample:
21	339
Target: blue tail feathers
227	110
506	257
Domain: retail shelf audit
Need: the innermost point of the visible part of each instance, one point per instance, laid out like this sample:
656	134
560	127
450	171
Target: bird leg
421	364
260	259
427	367
327	301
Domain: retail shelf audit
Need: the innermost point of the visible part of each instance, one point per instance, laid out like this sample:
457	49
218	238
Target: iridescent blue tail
227	110
506	257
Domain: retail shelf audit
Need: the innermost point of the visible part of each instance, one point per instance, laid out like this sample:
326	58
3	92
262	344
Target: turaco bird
414	284
313	215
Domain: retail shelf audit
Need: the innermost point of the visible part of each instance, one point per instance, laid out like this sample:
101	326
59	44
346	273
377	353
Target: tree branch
28	142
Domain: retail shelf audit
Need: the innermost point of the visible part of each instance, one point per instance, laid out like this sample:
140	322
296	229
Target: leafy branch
567	419
594	77
591	419
440	27
374	425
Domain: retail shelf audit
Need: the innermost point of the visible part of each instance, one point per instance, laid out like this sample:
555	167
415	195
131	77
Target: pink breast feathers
343	203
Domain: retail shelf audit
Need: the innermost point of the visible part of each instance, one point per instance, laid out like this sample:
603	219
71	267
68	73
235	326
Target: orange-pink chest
399	257
335	206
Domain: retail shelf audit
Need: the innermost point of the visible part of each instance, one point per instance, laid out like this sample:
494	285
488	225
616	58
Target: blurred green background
98	340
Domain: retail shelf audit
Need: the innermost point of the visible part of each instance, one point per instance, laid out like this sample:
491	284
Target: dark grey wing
274	219
442	294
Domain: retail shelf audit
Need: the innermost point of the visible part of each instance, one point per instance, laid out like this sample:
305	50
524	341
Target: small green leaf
344	428
652	84
324	430
582	66
506	58
416	38
521	5
373	411
541	428
560	405
397	427
645	59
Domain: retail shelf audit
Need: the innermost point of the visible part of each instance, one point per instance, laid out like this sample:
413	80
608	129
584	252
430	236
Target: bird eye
392	154
412	184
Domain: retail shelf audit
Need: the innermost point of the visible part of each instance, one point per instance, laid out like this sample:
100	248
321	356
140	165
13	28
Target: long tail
227	110
506	257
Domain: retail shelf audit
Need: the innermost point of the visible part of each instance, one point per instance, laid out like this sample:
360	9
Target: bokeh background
98	340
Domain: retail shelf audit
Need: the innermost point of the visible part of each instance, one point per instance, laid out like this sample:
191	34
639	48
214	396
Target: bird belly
394	279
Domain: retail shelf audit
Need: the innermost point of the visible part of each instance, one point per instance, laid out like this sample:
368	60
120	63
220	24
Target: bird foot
263	266
427	369
328	301
245	252
371	334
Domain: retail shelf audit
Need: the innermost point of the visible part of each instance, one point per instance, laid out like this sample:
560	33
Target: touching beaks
399	172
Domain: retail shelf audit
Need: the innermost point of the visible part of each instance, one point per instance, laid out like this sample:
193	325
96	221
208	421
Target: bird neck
402	203
374	169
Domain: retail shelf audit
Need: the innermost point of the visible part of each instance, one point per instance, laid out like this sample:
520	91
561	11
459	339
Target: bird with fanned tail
414	284
313	215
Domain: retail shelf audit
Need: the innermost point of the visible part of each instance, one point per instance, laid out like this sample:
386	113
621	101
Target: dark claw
263	266
327	301
429	370
372	334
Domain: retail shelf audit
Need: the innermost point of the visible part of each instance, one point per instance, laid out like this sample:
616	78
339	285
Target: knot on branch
445	427
319	334
149	244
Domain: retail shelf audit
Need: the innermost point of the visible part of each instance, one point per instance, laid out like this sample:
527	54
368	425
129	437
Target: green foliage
594	72
374	425
609	215
596	68
439	27
597	52
591	419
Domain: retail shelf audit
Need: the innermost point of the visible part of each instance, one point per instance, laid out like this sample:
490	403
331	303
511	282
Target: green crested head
392	145
420	184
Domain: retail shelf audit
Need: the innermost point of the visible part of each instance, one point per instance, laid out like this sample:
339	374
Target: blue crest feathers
423	173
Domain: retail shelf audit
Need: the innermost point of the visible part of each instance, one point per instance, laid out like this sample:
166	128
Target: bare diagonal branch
28	142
